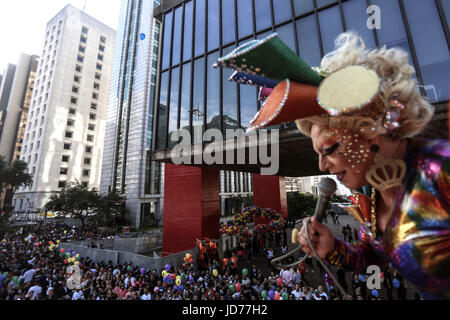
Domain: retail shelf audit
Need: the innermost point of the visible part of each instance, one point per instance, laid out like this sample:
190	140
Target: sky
22	23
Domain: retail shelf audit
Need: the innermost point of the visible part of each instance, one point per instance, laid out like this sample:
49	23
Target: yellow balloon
164	273
58	241
178	281
76	263
215	272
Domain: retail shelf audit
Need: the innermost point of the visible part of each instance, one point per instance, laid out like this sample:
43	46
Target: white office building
65	130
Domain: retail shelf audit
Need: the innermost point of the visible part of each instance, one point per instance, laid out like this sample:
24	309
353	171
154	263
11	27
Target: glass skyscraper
127	165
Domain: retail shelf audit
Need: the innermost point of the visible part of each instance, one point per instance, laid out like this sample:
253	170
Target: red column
191	207
270	192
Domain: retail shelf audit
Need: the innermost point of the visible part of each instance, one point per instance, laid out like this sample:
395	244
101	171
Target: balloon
76	263
191	279
173	276
271	294
58	241
180	288
142	270
183	275
77	258
65	231
129	268
62	250
232	288
175	287
215	272
164	273
264	294
169	280
142	36
65	261
238	286
277	296
285	296
178	282
167	268
244	272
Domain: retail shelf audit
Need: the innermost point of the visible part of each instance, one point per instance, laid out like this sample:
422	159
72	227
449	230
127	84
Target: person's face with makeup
343	153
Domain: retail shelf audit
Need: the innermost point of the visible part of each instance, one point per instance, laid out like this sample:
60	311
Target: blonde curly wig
392	67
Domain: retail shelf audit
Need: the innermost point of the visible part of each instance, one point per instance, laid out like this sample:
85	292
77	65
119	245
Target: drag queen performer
361	114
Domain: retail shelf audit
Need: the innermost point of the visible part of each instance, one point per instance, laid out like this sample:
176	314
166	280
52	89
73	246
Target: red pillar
270	192
191	207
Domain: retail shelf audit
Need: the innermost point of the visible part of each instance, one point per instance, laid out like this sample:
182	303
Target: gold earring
393	171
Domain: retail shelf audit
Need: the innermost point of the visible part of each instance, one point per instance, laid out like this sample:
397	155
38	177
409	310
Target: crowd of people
30	270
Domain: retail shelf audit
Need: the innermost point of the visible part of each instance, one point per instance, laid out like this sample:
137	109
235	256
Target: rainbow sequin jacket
417	238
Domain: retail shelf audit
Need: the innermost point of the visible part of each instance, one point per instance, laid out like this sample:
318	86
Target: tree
110	209
300	204
12	176
74	201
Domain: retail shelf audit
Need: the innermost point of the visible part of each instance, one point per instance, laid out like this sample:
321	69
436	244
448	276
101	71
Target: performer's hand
321	238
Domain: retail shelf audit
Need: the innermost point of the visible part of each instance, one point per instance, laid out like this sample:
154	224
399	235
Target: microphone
326	188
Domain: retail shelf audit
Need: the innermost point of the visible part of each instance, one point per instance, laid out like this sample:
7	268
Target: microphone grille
327	187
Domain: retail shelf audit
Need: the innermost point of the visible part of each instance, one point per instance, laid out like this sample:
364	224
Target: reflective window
392	20
213	24
330	27
229	97
356	19
173	110
199	27
303	6
177	36
162	129
263	15
185	96
228	22
286	33
322	3
248	104
213	95
282	10
166	42
197	108
187	46
435	63
245	18
308	40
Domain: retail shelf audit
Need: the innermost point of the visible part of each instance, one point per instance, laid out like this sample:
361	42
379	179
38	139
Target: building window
75	89
100	57
95	95
98	76
70	122
61	184
91	127
92	116
71	111
69	134
101	48
84	29
90	138
63	170
80	58
84	184
102	39
65	158
78	68
82	49
83	39
67	146
73	100
96	86
86	173
99	66
87	160
93	106
76	79
88	149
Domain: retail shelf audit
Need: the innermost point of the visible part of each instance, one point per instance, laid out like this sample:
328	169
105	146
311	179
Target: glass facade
127	165
309	28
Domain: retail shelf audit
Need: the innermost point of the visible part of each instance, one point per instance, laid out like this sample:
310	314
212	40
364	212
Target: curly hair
396	74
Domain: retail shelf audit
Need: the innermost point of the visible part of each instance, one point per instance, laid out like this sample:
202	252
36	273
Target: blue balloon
181	288
142	36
